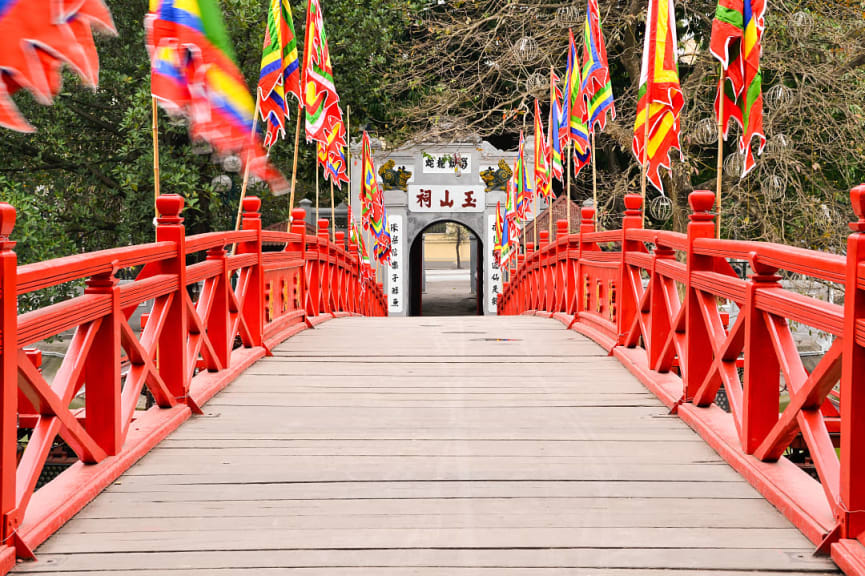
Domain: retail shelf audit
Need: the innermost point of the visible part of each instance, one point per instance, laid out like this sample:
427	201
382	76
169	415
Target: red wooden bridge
510	445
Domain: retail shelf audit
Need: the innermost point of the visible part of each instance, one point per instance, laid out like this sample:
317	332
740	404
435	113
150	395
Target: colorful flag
193	74
523	192
280	70
596	87
331	154
575	105
370	192
554	141
542	169
660	93
319	92
37	37
737	33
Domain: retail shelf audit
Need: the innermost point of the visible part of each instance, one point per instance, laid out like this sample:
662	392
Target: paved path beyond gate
431	446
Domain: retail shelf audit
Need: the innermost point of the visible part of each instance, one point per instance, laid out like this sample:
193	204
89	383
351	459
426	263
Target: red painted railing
272	285
660	302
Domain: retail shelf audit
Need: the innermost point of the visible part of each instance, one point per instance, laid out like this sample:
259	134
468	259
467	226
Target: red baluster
627	305
698	342
173	361
561	267
219	321
102	370
253	304
853	380
9	363
324	266
587	226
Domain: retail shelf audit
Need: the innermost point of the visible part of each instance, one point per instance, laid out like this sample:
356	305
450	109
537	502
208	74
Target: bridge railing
672	308
216	303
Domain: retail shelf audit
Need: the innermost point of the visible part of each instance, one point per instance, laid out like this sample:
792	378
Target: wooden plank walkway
431	446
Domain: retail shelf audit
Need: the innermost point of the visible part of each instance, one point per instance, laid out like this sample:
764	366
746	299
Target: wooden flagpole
721	95
317	145
568	191
348	163
332	212
294	167
248	157
155	153
645	168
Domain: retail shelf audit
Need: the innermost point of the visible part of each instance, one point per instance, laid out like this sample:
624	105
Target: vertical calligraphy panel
494	274
395	283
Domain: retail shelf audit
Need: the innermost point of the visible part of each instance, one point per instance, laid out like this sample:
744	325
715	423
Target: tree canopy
450	70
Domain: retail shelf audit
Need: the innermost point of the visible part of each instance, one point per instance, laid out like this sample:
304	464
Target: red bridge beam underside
653	299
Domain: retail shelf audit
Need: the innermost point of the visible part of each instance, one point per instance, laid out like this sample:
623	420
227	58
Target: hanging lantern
535	83
734	164
526	49
567	16
801	24
777	145
221	183
774	186
232	164
706	132
661	209
779	96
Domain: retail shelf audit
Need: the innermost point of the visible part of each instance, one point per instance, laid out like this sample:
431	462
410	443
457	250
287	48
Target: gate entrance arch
430	183
476	268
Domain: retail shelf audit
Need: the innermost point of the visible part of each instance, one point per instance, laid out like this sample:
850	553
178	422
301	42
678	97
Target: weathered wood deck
431	446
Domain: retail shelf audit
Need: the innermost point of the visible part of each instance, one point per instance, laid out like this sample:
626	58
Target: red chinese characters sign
444	198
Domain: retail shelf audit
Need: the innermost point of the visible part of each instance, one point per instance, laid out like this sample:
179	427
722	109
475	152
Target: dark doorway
446	271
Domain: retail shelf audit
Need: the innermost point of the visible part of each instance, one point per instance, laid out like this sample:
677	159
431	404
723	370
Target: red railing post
627	303
526	289
253	302
699	358
102	370
9	362
324	266
853	380
587	226
219	321
298	227
354	275
173	357
562	283
342	264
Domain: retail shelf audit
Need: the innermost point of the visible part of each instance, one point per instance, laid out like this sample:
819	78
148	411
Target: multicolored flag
661	97
373	216
737	33
37	37
575	105
542	170
193	74
331	154
319	92
280	70
554	142
523	192
596	87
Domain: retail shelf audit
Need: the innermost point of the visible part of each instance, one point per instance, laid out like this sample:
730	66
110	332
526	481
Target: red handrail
194	343
661	302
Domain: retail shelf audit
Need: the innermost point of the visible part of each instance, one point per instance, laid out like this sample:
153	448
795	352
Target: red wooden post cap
561	227
298	214
588	214
251	206
633	203
323	224
340	238
169	207
530	247
7	219
701	200
857	197
545	236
